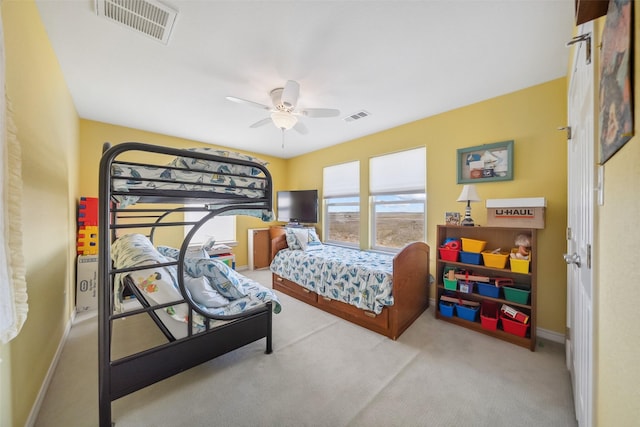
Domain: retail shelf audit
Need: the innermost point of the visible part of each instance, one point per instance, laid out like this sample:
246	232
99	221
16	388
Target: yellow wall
530	117
616	298
94	134
49	133
47	126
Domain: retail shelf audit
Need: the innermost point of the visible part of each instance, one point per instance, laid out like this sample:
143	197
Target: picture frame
616	80
452	218
485	163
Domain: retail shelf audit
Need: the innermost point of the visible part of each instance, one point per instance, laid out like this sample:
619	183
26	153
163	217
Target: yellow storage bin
471	245
519	265
495	260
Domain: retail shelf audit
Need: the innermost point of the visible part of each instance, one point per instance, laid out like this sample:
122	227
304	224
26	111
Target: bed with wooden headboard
409	291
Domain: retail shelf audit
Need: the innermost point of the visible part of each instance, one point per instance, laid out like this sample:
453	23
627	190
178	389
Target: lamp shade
283	120
469	194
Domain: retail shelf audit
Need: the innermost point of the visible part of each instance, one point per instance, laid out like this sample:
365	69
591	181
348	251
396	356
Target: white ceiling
399	60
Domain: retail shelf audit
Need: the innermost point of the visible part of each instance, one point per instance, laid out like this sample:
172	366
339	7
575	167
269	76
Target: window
222	228
341	192
398	199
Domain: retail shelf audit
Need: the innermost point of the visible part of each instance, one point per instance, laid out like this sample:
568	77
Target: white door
581	147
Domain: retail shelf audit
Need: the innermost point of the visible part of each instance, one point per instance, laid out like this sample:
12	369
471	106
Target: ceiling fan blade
251	103
261	122
290	94
301	128
320	112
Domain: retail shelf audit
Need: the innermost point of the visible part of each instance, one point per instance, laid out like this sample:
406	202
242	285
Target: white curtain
13	287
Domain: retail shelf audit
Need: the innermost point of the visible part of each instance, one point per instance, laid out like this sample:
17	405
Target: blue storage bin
488	290
467	313
471	258
446	309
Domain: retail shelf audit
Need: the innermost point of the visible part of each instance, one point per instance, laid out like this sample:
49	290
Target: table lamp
468	195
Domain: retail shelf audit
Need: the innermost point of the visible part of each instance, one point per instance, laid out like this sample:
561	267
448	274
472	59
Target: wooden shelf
496	237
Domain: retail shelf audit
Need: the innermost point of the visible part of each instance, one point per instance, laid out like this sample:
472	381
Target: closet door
581	165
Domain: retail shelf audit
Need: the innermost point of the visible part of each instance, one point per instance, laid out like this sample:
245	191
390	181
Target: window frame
372	213
402	184
339	182
327	223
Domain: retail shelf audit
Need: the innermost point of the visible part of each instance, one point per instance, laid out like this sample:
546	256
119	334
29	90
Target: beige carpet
327	372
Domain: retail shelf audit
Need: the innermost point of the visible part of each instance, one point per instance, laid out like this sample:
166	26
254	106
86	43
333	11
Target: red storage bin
489	315
447	254
513	327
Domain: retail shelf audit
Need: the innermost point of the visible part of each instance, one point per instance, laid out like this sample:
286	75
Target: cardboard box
525	213
87	283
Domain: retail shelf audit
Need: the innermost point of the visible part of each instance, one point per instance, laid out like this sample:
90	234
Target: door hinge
567	333
589	256
568	129
568	233
583	38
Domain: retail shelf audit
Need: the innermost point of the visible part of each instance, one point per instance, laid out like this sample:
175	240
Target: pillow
221	278
307	238
314	246
292	240
203	293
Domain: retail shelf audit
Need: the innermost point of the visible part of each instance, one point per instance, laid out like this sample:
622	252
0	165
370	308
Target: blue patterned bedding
191	174
359	278
220	289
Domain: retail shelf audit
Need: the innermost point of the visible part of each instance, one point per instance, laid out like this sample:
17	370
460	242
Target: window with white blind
397	189
341	193
221	228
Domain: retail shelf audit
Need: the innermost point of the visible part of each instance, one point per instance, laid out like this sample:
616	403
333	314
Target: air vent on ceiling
357	116
149	17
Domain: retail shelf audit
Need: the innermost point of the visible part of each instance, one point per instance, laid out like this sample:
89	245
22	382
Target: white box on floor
87	283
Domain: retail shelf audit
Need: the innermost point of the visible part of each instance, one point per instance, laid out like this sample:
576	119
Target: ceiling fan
284	113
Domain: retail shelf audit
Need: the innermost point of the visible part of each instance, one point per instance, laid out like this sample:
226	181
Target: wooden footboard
410	291
410	287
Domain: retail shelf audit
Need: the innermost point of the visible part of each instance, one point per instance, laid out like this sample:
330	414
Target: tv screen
299	206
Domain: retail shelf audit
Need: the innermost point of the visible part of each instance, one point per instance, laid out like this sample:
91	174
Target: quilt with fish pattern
359	278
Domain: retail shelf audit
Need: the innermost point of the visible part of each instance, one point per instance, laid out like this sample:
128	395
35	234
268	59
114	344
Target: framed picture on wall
616	100
483	163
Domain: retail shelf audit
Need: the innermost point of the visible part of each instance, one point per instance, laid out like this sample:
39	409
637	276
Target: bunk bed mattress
360	278
221	290
192	174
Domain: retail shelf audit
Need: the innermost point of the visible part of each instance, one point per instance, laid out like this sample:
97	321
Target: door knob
574	258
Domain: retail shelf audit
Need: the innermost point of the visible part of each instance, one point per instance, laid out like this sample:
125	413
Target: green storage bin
516	294
451	285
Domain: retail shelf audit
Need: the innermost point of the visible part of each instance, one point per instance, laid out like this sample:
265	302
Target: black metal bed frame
120	377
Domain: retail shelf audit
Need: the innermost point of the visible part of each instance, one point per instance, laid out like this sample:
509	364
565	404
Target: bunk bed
383	293
202	307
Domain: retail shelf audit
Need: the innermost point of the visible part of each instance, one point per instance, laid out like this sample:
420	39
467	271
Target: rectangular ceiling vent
149	17
357	116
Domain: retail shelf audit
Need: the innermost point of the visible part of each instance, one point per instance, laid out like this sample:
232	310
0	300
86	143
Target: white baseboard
35	409
550	335
540	333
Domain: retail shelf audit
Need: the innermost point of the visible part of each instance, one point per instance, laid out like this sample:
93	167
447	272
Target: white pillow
203	293
307	238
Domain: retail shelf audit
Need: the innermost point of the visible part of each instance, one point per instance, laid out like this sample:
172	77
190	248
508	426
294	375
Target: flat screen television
298	206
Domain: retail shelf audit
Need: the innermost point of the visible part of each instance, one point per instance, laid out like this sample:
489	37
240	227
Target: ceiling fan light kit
283	112
283	120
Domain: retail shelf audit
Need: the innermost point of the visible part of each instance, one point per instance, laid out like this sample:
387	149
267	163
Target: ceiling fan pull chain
282	137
